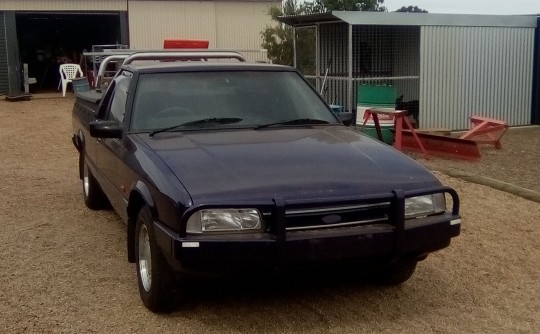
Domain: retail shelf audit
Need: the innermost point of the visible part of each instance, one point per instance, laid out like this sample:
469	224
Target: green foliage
363	5
305	50
411	9
278	38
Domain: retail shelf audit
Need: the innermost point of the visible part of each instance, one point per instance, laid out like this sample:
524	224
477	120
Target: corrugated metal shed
151	23
64	5
225	24
9	56
244	33
452	66
4	79
536	77
468	71
421	19
143	24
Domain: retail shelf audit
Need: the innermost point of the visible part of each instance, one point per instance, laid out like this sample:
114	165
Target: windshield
186	100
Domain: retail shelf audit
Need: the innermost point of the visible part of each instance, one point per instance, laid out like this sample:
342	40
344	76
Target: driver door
111	151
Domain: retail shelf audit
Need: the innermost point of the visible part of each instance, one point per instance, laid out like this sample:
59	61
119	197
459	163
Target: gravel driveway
518	162
64	267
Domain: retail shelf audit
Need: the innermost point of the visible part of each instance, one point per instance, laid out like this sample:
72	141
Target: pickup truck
227	167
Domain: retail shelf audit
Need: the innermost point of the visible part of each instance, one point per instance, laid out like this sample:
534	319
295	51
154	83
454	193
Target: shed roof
412	19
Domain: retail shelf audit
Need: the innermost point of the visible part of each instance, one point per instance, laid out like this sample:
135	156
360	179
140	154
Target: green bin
386	131
80	84
376	96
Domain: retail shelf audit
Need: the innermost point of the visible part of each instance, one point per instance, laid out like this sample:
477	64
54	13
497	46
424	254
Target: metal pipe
351	103
103	67
179	55
294	47
128	56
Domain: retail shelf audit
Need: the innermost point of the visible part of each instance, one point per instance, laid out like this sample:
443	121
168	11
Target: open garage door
47	40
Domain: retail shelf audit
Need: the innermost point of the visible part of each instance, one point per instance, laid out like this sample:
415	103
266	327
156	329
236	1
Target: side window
117	106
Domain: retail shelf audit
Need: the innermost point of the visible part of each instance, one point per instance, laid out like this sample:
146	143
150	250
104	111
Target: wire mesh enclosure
442	68
379	55
305	46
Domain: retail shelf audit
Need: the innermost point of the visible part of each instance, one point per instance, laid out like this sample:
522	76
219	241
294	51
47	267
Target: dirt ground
64	267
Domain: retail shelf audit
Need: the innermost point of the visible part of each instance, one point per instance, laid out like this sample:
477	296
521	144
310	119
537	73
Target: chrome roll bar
128	56
184	55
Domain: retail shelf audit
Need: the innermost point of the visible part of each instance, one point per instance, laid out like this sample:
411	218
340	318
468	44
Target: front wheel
153	273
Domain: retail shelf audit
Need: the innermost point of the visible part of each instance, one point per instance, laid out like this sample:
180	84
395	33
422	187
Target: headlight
225	220
424	205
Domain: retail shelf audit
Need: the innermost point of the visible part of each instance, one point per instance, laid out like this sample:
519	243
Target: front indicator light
455	222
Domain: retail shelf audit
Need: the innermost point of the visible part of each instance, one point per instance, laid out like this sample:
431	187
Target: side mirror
105	129
346	118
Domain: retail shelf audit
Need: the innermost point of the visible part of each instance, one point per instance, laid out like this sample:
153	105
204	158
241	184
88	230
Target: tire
395	273
155	280
94	198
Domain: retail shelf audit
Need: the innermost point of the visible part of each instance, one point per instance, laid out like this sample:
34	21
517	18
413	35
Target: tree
278	39
361	5
411	9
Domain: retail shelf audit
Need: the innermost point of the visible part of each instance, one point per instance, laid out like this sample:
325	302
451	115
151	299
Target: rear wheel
94	198
156	284
395	273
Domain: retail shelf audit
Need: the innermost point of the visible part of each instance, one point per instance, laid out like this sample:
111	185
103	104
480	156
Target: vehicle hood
292	163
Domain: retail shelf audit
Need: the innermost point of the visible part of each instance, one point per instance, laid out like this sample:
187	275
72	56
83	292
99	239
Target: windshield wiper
211	120
297	121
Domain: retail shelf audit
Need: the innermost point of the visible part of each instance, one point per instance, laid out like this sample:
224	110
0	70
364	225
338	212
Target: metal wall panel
406	61
13	57
381	55
467	71
535	119
333	62
150	22
4	78
239	24
228	25
10	68
63	5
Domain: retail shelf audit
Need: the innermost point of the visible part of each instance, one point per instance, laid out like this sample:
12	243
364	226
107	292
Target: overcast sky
502	7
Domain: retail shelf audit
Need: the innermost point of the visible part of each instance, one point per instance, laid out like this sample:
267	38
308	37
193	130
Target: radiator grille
314	218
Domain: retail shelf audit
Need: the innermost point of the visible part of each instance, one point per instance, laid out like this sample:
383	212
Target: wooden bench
401	123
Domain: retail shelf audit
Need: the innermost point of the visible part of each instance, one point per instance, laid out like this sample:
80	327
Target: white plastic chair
68	72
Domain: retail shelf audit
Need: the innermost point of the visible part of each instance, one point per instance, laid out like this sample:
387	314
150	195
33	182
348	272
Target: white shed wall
226	25
465	71
239	24
63	5
150	22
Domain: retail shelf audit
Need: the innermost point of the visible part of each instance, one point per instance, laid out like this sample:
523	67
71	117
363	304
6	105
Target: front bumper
371	243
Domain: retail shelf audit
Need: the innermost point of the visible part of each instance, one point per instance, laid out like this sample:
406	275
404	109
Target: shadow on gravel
311	300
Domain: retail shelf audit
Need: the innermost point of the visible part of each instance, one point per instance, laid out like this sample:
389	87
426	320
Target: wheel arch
138	197
79	142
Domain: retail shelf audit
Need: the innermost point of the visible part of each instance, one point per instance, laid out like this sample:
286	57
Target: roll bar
103	67
184	55
129	57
